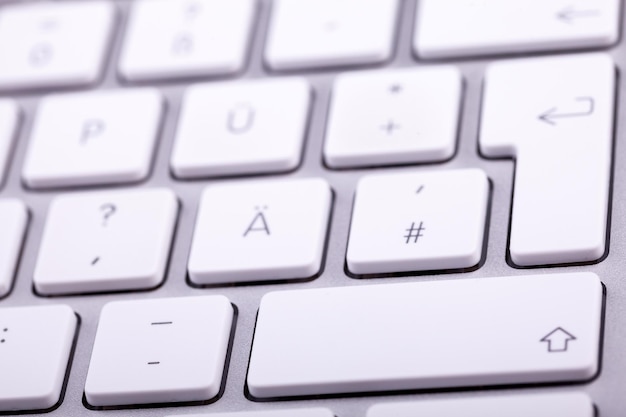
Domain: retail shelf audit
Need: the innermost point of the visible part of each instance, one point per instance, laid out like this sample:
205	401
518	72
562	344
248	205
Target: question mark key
106	241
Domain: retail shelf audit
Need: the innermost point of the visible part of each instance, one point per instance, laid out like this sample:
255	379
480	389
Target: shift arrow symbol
558	340
570	14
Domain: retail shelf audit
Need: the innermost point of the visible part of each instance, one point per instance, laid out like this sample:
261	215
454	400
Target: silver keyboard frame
607	390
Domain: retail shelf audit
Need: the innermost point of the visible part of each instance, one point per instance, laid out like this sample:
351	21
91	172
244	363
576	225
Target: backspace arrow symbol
570	14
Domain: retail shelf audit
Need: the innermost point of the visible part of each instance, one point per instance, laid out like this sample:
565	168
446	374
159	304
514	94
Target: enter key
554	116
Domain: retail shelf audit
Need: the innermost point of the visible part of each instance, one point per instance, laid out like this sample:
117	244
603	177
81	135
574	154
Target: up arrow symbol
558	340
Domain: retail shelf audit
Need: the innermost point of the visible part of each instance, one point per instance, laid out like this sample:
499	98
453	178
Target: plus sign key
413	222
404	116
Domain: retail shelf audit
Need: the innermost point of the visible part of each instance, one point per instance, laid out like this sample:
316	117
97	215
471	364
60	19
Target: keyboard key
93	138
278	227
555	117
327	33
426	335
182	38
311	412
393	117
159	351
9	117
35	346
106	241
60	44
505	27
542	405
13	220
241	128
415	221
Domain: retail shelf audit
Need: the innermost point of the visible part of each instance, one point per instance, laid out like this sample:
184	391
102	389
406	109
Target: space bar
427	335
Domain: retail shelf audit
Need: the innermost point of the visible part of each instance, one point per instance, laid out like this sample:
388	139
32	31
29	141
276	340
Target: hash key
414	222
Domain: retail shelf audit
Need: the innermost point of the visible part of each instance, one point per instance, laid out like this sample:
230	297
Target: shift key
427	335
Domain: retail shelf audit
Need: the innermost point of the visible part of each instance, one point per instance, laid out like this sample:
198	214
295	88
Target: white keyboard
312	208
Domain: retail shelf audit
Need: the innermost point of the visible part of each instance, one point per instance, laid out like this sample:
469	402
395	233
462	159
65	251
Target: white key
325	33
159	351
392	117
426	335
106	241
452	28
54	44
278	227
9	117
181	38
415	221
311	412
35	346
241	128
93	138
555	117
13	220
538	405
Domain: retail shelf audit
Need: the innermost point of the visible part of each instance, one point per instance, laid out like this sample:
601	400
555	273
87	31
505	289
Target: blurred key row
66	44
169	351
237	128
386	117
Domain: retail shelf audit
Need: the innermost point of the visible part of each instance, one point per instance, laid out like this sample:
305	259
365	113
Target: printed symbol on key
558	340
571	15
395	89
5	330
330	26
585	107
40	55
92	128
259	223
48	25
414	232
182	44
240	118
192	10
390	127
106	210
159	323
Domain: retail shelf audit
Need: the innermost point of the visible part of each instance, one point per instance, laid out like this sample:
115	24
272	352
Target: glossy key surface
463	333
